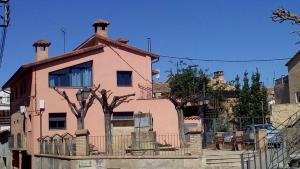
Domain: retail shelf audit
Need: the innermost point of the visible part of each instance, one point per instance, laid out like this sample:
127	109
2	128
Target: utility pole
5	17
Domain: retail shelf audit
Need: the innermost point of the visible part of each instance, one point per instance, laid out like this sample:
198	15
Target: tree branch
72	106
281	14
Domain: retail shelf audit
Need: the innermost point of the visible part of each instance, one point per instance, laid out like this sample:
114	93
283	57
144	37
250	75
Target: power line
225	61
129	65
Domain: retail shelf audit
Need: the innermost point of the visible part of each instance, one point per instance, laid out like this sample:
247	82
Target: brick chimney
101	27
219	75
41	49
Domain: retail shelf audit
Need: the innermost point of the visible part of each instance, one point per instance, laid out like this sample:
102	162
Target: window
75	76
297	95
122	119
124	78
57	120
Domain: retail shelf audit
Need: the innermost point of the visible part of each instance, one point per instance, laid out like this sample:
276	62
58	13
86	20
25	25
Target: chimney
219	75
101	27
41	49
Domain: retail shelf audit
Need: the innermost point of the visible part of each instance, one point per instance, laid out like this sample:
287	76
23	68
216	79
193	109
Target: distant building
294	78
281	90
4	109
5	155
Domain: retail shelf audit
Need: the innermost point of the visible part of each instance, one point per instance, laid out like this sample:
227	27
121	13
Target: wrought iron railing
122	145
275	148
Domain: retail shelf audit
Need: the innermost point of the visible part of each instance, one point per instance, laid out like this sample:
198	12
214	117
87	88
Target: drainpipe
154	61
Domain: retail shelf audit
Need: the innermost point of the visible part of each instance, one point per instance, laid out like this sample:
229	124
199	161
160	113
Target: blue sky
211	29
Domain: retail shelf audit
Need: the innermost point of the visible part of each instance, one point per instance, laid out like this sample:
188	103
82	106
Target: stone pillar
195	141
82	142
237	140
261	140
219	140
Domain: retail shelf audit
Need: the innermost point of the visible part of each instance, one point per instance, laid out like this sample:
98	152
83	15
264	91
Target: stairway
277	157
217	159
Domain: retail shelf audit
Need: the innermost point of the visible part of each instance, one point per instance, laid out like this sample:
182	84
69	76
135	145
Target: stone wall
281	112
94	162
294	76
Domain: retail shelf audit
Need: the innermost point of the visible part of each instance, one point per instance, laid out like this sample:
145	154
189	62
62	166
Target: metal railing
125	145
275	148
122	145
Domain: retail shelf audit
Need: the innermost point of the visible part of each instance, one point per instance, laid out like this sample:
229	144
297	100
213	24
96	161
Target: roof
154	72
41	42
122	40
109	41
161	87
26	67
297	55
100	22
192	118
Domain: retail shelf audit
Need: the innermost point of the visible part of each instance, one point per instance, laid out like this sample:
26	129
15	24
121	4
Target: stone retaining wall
94	162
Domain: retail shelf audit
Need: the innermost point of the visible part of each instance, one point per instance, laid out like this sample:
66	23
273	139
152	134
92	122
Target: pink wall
105	65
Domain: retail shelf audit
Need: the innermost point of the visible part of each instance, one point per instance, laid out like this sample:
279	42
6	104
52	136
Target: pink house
37	110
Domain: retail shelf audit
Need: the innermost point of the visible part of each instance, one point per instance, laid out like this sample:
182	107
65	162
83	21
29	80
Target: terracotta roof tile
192	118
26	67
122	40
100	22
160	87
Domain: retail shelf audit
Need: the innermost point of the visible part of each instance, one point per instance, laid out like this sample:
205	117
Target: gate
227	126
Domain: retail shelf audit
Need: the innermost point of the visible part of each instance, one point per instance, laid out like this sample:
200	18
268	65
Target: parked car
228	137
273	137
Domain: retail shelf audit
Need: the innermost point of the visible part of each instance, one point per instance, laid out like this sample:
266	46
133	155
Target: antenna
158	75
64	32
149	44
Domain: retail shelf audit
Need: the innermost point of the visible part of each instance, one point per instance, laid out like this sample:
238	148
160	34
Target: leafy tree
188	85
252	100
244	96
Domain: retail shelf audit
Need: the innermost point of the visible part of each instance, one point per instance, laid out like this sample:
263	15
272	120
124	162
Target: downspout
154	61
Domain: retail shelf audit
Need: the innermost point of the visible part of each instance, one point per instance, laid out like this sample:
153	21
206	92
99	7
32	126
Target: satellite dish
157	76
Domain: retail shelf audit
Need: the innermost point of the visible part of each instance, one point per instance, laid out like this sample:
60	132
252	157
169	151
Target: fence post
242	161
82	142
195	142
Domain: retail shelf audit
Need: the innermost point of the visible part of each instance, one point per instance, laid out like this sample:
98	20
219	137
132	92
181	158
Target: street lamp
204	102
82	95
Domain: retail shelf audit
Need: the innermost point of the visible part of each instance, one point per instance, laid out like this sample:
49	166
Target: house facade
293	78
4	109
37	110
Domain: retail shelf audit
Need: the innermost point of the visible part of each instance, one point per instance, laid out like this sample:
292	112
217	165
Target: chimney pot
101	27
41	49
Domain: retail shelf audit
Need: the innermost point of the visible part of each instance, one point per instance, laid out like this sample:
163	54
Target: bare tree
81	112
108	108
280	15
179	104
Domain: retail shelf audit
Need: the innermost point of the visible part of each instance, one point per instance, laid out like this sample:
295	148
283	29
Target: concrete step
223	159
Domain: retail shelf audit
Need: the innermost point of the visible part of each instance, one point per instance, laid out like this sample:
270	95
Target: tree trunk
80	120
108	136
181	127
